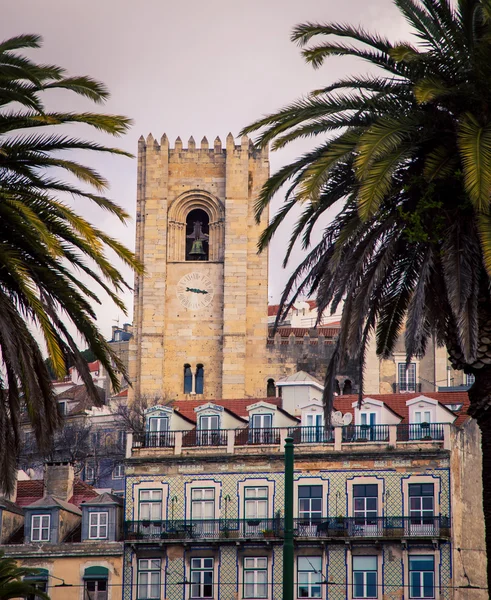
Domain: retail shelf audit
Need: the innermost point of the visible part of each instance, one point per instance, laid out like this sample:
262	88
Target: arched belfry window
200	379
196	227
270	389
197	235
347	388
188	379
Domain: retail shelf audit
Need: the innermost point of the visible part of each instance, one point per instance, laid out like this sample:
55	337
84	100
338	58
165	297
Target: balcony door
150	509
365	509
422	509
203	510
309	509
158	428
261	430
421	428
256	511
209	430
367	422
313	430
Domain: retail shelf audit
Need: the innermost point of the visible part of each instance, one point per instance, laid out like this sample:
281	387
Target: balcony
230	441
351	528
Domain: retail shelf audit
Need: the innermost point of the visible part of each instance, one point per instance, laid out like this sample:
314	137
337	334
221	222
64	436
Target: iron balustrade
408	432
366	433
312	435
205	529
204	437
252	529
255	436
258	436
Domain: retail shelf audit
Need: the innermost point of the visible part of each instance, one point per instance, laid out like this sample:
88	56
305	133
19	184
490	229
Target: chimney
59	479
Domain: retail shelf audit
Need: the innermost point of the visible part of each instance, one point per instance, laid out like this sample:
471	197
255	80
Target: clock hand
196	290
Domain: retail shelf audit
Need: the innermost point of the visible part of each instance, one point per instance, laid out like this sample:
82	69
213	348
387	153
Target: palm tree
405	157
44	244
12	583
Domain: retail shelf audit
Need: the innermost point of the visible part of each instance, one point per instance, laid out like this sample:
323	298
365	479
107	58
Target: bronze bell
197	249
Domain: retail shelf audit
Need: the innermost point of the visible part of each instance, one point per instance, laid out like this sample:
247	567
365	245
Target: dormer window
40	526
98	525
407	377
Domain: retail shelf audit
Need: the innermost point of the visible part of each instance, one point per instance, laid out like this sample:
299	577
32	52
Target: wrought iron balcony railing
312	435
366	433
273	436
420	431
332	527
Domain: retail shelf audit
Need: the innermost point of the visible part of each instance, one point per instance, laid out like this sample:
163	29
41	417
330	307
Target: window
62	407
270	389
407	377
38	581
202	578
95	439
122	439
200	379
197	235
40	525
260	430
421	504
96	589
421	576
255	577
208	434
422	416
256	502
309	576
98	525
310	504
365	501
188	380
89	472
347	388
150	505
365	577
148	579
203	503
118	471
469	379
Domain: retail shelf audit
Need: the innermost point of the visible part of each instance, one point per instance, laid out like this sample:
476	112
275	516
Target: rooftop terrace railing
304	528
228	439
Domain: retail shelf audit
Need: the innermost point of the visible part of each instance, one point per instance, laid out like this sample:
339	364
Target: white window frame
203	497
201	570
101	529
314	577
255	501
40	528
255	569
151	501
90	469
118	471
407	378
153	567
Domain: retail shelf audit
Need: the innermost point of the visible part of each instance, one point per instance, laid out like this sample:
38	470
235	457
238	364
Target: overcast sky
189	67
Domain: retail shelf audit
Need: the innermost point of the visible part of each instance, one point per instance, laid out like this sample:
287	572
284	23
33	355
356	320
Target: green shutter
96	573
40	575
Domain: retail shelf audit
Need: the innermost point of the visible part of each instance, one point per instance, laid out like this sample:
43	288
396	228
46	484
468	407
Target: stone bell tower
200	309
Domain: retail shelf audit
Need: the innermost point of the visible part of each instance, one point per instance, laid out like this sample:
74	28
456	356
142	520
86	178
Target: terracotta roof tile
300	332
31	490
397	402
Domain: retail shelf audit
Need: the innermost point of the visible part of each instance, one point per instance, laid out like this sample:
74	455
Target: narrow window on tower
188	380
197	235
200	379
271	389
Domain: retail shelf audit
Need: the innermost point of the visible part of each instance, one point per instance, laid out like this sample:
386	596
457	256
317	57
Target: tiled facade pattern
335	557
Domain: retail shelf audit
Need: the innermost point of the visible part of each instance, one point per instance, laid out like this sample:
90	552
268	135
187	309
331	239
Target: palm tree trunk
480	398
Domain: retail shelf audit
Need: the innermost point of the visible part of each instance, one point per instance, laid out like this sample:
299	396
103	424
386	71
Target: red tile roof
273	308
33	489
397	402
238	407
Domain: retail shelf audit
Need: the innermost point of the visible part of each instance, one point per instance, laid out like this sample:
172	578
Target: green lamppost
288	554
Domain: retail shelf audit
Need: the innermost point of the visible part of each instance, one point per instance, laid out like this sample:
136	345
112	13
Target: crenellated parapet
203	153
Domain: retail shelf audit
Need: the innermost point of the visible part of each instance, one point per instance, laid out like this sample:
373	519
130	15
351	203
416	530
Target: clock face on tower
195	291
